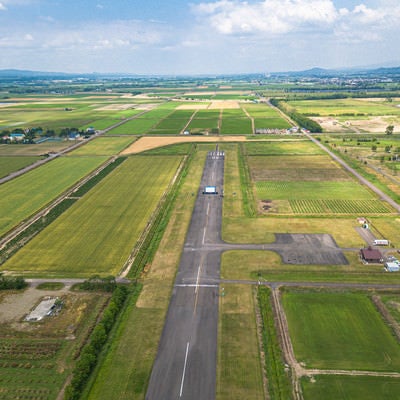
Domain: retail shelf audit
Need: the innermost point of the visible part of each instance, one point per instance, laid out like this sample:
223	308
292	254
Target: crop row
339	207
31	350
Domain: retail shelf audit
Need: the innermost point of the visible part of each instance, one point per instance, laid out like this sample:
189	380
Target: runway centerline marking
208	209
204	234
184	369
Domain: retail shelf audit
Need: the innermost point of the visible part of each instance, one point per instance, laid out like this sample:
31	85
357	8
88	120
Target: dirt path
287	348
253	126
188	123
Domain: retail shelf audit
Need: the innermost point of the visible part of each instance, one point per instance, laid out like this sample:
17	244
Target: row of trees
12	282
90	353
300	119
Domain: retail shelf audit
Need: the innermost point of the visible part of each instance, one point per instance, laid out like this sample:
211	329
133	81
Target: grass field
28	193
280	148
271	123
96	235
350	388
236	126
12	164
103	146
239	373
339	331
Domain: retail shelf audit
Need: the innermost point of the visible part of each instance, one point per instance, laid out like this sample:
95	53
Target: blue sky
197	37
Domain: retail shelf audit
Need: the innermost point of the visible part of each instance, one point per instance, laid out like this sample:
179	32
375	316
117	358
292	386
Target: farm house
371	256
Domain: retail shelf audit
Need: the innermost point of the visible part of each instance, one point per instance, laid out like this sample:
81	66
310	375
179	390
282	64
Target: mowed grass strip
334	387
103	146
239	369
25	195
339	331
12	164
96	235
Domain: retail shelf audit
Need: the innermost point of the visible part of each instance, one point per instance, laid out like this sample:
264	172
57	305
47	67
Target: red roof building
370	255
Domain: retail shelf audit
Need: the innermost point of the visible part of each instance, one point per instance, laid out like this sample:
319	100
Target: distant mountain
348	72
17	73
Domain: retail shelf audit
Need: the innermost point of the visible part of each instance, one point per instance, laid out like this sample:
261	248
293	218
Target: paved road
185	366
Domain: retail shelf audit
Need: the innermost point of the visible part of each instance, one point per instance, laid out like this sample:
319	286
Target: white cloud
268	16
279	17
2	7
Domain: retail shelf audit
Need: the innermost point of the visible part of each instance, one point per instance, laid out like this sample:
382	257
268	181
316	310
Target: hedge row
12	282
90	352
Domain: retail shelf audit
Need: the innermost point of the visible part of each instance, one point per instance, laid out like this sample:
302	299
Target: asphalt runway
185	366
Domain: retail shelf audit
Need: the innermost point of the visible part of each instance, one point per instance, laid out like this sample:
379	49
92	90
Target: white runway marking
204	235
208	209
184	369
205	285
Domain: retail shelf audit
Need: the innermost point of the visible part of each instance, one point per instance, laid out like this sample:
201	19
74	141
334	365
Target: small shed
370	255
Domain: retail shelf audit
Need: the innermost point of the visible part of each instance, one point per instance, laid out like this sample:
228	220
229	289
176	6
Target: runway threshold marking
184	369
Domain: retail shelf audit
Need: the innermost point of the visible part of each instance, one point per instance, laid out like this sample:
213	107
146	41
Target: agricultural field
97	234
305	184
102	146
37	357
236	126
173	124
34	149
57	112
339	330
25	195
351	115
333	387
12	164
120	376
266	117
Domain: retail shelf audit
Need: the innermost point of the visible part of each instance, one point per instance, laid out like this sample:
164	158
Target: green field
271	123
12	164
239	365
28	193
96	235
103	146
291	147
137	126
328	387
236	126
340	330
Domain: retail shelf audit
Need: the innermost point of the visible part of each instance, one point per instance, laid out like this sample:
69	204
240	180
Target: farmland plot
103	146
96	235
12	164
340	331
28	193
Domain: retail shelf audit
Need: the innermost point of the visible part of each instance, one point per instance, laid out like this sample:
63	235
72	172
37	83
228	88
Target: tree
374	147
389	130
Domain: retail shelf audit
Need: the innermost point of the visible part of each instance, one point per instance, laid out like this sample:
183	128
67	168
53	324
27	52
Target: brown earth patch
148	143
